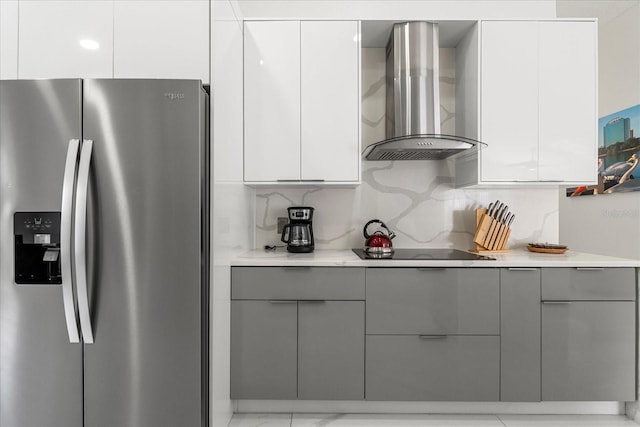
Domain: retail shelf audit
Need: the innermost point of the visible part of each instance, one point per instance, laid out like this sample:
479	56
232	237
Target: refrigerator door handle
80	236
66	241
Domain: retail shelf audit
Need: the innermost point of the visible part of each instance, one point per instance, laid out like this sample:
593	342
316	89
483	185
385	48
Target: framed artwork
618	154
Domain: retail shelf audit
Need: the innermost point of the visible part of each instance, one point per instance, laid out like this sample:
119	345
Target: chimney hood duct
413	99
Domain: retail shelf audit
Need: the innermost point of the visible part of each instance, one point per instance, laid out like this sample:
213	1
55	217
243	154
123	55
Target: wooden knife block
491	235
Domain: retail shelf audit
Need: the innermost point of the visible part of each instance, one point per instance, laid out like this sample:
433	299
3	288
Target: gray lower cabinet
331	350
264	343
433	368
292	337
588	334
520	334
433	334
588	350
436	334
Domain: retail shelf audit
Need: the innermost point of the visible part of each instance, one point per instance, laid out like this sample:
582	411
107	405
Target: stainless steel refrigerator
104	253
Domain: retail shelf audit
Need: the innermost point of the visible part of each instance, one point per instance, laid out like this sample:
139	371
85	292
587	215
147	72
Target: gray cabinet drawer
588	284
301	283
452	368
588	351
460	301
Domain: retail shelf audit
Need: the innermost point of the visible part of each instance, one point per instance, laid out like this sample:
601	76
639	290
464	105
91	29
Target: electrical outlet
282	221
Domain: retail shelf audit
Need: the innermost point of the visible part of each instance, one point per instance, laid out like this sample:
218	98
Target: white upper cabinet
329	101
65	39
538	103
509	107
161	39
271	101
301	102
105	39
9	39
568	116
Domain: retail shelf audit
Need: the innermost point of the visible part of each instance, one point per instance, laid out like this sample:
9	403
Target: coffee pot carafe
298	233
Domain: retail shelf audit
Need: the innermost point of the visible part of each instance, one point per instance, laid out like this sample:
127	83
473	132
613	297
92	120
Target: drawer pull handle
556	302
296	268
432	337
300	180
431	269
283	301
313	301
521	269
590	268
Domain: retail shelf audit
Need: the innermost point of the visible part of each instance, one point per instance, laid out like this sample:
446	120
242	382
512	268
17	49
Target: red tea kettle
378	242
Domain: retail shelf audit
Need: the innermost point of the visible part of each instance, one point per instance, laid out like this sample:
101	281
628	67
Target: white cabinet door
509	101
65	39
538	99
301	102
271	101
330	100
8	39
161	39
567	101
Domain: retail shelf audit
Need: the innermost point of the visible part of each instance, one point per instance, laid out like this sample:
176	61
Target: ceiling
375	33
604	10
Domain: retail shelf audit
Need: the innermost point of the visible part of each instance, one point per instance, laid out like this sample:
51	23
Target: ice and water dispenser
37	247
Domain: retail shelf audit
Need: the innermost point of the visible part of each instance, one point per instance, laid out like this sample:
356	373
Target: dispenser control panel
37	247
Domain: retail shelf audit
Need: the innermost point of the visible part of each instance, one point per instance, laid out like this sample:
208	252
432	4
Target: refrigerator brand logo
174	95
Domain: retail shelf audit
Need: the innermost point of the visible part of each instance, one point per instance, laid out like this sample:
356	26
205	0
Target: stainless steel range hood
413	99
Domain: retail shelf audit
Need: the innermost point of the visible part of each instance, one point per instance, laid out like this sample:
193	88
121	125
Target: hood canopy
413	99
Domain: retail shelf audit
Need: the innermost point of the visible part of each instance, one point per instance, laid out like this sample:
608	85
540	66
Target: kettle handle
284	230
382	224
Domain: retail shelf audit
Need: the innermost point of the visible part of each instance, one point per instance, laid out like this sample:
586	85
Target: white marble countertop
346	258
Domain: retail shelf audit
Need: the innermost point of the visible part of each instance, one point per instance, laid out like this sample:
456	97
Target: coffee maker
298	234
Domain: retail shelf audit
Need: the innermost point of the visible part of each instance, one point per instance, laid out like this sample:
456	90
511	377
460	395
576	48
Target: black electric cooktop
424	255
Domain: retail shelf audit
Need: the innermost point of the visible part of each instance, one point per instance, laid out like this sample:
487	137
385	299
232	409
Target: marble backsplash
415	199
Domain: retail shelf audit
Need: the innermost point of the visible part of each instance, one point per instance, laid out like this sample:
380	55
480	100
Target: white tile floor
431	420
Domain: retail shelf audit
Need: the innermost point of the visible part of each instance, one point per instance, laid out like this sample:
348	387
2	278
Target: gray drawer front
301	283
464	301
264	350
454	368
588	284
588	351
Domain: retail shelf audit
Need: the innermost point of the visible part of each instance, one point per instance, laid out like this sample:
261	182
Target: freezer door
145	367
40	371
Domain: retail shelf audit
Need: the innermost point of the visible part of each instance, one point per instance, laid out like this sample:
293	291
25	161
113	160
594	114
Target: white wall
232	222
608	224
8	39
